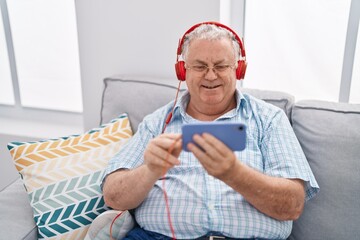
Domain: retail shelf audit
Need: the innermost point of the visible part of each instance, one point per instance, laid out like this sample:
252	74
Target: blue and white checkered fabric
200	203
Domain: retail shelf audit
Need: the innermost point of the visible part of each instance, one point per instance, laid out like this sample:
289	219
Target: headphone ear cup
180	70
241	69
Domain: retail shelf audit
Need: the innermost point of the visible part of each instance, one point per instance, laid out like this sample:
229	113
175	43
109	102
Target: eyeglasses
217	69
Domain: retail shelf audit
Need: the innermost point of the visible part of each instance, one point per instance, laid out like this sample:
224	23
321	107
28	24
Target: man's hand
162	153
280	198
137	183
217	158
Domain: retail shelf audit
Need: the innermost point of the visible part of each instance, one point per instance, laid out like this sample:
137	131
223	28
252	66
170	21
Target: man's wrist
152	174
234	174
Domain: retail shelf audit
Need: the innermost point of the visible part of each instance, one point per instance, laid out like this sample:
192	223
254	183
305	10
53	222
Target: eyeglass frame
206	68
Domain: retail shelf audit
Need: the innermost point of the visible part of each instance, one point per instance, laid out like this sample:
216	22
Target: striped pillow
62	177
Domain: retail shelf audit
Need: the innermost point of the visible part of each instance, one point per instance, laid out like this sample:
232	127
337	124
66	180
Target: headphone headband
180	65
181	41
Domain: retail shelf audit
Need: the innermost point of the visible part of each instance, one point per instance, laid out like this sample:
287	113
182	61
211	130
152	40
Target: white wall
137	37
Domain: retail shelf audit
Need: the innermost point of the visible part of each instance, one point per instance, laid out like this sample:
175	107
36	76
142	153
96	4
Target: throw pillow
62	177
119	222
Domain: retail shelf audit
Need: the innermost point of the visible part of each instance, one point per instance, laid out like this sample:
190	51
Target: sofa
328	132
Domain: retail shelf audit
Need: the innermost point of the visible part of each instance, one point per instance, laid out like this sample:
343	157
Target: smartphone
233	135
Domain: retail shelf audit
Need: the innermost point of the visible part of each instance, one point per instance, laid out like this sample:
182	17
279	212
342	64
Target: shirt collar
181	105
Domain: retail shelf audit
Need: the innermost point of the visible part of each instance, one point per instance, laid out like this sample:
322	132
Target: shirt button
211	206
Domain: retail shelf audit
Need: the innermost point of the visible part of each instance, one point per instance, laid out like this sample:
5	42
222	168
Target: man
255	193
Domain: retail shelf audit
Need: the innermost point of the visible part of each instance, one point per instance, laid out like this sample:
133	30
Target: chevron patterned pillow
62	177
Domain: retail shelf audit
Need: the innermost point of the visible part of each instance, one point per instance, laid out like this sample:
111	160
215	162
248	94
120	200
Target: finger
217	145
220	151
177	148
156	164
166	142
171	143
163	155
208	147
198	153
173	136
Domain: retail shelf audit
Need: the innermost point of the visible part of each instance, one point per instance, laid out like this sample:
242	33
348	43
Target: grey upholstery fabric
140	96
282	100
136	96
16	215
329	134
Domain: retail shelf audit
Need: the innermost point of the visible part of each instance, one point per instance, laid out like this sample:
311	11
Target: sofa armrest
16	221
329	134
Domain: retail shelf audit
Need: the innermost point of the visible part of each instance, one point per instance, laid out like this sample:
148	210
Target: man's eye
221	67
199	68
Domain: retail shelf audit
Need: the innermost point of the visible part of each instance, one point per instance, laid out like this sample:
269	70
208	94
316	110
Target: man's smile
210	87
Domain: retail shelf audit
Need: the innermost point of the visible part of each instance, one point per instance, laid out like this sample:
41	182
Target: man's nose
210	73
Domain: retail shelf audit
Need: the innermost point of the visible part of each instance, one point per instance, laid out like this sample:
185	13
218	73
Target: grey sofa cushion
329	134
139	96
282	100
16	221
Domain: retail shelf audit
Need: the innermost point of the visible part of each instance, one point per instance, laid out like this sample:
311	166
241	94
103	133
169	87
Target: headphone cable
167	121
169	116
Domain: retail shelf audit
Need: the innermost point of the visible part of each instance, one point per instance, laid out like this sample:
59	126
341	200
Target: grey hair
210	32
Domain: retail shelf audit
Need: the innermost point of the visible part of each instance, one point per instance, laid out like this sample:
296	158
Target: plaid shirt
200	203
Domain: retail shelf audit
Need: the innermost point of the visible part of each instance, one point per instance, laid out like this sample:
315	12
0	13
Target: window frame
237	11
349	52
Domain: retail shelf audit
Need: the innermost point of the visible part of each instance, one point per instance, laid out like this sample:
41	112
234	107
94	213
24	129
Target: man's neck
209	112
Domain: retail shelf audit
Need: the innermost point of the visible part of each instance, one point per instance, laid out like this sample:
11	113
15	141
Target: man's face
212	87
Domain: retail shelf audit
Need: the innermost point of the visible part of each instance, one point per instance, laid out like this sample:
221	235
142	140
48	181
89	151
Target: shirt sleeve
131	154
283	155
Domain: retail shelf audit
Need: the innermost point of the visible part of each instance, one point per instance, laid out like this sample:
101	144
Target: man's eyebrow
205	63
200	62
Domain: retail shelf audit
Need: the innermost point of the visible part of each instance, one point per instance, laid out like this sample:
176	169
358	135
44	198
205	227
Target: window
297	46
44	40
40	87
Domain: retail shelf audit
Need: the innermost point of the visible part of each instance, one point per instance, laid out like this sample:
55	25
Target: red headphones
180	65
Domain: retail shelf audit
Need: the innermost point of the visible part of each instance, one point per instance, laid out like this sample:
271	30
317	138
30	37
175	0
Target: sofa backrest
139	96
136	96
329	134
